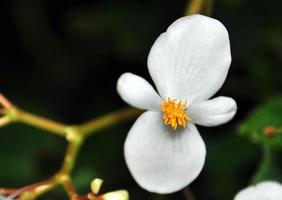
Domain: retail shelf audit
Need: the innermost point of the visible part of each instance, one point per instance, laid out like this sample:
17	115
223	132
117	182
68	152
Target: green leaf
266	116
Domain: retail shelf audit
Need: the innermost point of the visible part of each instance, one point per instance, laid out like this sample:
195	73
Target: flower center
174	113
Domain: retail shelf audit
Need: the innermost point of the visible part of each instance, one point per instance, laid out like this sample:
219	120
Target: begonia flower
188	64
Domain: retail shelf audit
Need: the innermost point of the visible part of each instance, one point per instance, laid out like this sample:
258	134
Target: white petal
191	59
267	190
161	159
213	112
137	92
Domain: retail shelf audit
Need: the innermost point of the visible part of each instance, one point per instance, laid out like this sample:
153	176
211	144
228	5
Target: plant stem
107	120
5	102
267	167
85	129
194	7
69	188
199	6
70	157
40	122
4	121
7	191
75	135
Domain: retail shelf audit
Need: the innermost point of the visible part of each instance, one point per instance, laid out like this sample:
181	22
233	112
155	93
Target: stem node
73	134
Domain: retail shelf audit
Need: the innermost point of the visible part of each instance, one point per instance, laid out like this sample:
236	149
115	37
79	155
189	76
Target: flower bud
116	195
96	185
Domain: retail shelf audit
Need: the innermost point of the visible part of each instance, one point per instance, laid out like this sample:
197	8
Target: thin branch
33	189
40	122
108	120
69	187
70	157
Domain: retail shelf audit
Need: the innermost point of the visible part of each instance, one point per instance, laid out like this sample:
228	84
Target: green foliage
265	116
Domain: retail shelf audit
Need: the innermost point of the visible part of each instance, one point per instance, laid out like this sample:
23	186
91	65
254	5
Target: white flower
188	64
267	190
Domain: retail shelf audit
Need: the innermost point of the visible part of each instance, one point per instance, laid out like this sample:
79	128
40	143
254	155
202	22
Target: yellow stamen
174	113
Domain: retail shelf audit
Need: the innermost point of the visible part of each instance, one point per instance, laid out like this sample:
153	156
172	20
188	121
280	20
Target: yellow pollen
174	113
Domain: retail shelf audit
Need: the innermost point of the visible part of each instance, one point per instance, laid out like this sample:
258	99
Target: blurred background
61	59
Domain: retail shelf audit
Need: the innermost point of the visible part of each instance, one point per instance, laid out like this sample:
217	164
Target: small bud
116	195
96	185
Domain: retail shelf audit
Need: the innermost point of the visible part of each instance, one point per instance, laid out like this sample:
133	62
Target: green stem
37	121
267	168
110	119
69	187
263	166
71	156
85	129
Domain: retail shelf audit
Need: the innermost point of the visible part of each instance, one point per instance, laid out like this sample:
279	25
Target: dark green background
61	59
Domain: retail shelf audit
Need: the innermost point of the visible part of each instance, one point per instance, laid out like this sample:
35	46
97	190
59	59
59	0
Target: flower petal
161	159
191	59
137	92
267	190
213	112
